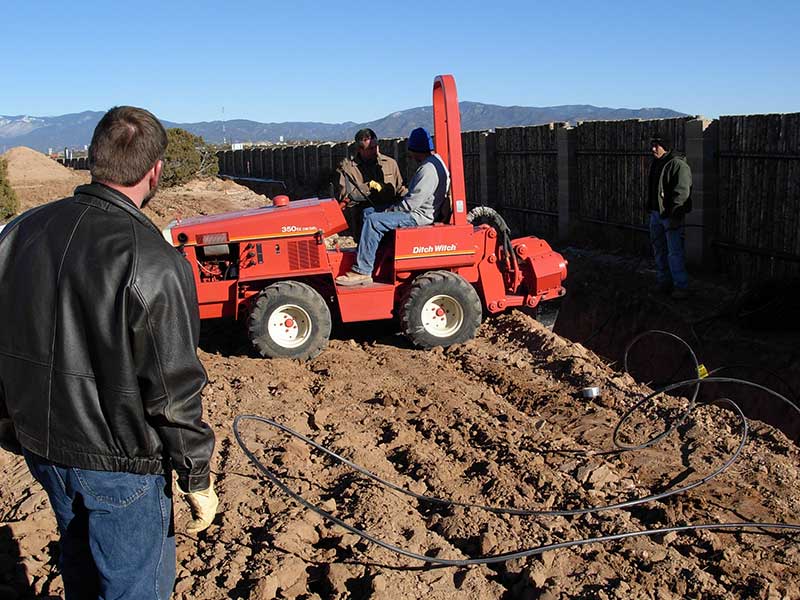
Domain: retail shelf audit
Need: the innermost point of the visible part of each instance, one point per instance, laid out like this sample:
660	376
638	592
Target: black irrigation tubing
678	422
693	402
490	559
512	510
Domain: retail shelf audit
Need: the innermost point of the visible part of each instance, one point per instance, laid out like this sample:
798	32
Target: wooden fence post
238	165
701	150
567	173
488	169
247	159
255	163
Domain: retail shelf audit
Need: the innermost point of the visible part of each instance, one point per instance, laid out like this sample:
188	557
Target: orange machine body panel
270	222
236	255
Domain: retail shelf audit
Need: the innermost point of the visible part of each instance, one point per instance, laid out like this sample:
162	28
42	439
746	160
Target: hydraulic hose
489	216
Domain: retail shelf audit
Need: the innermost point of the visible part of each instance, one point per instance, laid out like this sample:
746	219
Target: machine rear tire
289	320
440	309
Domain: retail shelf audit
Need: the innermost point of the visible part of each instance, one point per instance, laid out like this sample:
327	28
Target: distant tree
187	156
209	163
9	205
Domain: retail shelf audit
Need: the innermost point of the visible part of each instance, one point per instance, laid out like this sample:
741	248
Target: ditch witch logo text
436	248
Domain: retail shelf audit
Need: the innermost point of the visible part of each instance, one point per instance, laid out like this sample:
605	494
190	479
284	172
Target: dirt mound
37	178
27	166
495	421
202	196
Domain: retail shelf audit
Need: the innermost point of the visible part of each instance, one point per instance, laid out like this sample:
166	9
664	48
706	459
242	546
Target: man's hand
203	504
675	222
375	185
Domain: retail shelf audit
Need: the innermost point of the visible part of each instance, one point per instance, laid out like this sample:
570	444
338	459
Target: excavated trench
753	333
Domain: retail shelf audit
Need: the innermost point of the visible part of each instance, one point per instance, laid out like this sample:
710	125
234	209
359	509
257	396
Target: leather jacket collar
95	194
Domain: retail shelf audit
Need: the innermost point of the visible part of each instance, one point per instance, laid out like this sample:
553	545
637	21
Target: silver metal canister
591	392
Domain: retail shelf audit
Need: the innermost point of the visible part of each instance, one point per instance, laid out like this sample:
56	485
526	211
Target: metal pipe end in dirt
591	392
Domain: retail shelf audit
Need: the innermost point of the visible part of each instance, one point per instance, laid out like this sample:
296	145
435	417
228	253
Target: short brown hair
126	144
365	134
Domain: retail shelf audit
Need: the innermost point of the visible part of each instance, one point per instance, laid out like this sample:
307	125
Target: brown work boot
353	278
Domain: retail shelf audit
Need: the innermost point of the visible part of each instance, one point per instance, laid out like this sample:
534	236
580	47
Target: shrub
187	156
8	198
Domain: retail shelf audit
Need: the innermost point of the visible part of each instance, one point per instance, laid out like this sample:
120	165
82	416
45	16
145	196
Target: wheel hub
289	326
442	316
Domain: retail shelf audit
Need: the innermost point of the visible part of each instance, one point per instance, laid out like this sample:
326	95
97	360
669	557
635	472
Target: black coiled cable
496	558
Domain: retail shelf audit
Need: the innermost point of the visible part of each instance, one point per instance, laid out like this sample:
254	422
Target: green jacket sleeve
677	187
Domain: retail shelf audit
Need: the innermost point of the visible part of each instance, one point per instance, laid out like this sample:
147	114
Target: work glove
203	504
375	185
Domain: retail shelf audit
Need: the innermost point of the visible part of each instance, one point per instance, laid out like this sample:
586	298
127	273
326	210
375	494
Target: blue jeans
376	224
668	252
117	539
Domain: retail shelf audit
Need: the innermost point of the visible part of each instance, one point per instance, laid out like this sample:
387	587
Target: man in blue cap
425	202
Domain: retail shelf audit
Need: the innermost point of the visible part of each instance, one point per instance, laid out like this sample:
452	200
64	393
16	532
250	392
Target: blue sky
359	61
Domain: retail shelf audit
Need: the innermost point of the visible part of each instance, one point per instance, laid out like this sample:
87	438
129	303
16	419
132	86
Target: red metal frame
254	248
447	138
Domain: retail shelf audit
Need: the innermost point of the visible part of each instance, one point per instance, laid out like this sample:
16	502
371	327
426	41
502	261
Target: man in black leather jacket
99	372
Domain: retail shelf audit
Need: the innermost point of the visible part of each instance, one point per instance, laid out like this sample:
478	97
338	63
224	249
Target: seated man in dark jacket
99	372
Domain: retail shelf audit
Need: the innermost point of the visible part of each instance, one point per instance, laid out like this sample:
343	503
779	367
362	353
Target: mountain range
75	130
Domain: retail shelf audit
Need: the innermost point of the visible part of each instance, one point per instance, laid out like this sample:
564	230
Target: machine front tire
440	309
289	320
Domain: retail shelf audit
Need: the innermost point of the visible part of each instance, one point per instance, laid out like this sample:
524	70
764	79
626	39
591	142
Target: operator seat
445	211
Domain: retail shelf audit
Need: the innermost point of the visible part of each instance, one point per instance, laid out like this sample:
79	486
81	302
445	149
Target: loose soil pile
201	197
497	421
36	178
494	421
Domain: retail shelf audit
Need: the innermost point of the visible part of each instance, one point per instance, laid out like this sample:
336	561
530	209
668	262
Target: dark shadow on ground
15	582
610	299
